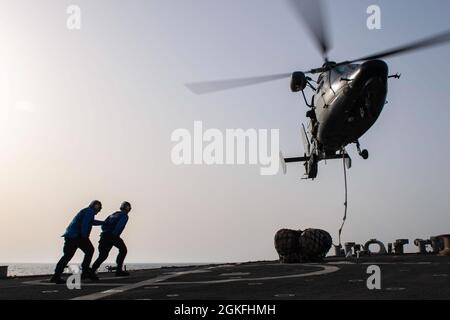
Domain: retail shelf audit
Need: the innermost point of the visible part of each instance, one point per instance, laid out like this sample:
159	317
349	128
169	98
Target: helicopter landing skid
311	163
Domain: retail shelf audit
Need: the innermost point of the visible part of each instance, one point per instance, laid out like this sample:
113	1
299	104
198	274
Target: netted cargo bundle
314	245
287	245
291	258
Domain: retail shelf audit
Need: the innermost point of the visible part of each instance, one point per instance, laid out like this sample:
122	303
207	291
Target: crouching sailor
77	237
112	228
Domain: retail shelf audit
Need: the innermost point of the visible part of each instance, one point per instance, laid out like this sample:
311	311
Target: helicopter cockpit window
341	69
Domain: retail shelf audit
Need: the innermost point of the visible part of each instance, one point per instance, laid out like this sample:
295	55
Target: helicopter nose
374	68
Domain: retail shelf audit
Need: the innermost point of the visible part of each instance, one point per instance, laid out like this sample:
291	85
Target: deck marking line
94	284
131	286
159	280
325	270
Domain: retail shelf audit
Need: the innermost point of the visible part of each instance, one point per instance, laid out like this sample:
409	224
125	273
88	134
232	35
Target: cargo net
297	246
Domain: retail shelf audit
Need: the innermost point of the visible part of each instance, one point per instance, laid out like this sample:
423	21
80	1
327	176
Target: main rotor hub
329	65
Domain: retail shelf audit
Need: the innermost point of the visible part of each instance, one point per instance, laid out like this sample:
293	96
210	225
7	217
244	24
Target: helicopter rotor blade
417	45
222	85
312	14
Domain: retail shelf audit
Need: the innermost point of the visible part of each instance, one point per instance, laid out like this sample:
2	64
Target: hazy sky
88	115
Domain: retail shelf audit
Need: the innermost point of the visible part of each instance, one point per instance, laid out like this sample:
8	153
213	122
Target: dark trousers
70	247
104	247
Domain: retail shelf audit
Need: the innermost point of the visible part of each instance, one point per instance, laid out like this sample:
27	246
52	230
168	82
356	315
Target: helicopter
348	96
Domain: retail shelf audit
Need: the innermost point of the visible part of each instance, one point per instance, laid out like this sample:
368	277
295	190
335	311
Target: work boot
121	273
57	280
89	274
93	276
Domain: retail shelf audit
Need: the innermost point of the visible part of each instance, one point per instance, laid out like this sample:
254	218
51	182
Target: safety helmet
124	205
94	203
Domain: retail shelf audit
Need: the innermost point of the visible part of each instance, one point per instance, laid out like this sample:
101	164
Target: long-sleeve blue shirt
115	224
81	224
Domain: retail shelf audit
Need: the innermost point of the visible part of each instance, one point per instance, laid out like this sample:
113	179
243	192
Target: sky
88	114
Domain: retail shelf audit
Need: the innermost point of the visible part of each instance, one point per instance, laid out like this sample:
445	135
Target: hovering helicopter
348	96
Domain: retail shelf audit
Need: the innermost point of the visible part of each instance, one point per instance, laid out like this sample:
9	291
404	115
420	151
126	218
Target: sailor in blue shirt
77	237
112	228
